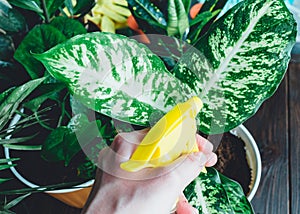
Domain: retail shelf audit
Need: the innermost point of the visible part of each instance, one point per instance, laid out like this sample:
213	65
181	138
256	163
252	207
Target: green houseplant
232	67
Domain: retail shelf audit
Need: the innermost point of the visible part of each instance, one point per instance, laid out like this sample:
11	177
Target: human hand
150	190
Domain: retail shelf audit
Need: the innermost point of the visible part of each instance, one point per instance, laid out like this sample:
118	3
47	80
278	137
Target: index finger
204	145
125	143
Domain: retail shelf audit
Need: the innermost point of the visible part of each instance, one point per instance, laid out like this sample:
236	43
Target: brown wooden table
276	129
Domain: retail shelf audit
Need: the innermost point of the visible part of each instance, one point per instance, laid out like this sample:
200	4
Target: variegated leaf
115	76
214	193
245	56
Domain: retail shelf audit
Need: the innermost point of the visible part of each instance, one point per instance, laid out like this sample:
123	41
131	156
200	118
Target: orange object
132	24
76	198
195	10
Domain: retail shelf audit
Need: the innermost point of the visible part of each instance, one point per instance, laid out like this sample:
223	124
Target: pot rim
253	158
32	185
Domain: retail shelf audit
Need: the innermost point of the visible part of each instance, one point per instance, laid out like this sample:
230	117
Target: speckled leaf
149	17
115	76
213	193
245	56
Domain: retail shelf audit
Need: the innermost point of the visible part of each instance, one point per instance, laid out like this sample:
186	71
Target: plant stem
47	19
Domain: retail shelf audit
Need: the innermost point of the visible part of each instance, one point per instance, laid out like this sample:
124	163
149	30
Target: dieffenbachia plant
242	59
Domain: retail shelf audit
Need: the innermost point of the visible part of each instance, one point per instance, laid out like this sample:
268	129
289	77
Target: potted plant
230	66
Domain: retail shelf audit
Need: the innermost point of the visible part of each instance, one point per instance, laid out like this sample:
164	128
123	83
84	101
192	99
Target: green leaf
53	5
80	8
243	61
236	196
47	91
69	27
5	94
15	201
6	47
8	160
12	102
23	147
6	166
213	6
69	185
178	22
11	20
34	5
38	40
15	140
3	180
148	16
115	76
53	147
187	5
197	24
213	193
87	170
65	142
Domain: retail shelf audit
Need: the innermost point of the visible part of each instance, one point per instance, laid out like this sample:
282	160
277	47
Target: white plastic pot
253	158
75	196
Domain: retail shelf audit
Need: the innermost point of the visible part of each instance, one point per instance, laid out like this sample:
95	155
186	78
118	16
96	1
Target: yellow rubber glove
173	135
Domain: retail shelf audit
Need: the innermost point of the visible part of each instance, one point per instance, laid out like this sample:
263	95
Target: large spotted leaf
214	193
245	56
116	76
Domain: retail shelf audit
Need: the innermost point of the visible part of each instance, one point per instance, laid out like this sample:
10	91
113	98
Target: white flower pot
253	158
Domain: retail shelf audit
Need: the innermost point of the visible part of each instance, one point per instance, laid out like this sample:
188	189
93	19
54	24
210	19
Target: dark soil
42	173
35	169
232	160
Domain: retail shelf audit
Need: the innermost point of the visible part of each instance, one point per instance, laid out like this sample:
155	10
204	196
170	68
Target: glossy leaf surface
237	68
243	58
214	193
38	40
115	76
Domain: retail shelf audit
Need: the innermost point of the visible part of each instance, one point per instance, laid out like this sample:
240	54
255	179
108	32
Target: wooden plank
269	127
294	118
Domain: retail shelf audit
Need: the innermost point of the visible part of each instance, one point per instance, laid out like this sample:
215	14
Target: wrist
110	199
